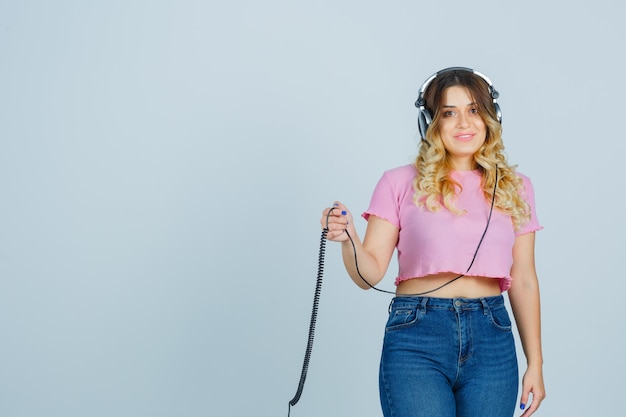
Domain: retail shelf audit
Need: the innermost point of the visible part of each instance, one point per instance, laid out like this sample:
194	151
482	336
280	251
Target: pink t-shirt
434	242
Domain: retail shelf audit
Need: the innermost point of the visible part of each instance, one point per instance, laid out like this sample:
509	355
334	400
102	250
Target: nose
463	120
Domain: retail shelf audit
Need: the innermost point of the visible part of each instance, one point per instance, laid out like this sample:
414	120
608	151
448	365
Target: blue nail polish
344	212
522	406
335	205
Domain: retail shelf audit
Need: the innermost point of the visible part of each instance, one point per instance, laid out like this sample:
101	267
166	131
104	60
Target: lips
464	137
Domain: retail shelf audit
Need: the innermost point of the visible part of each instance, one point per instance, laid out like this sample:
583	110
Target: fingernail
522	406
344	212
335	205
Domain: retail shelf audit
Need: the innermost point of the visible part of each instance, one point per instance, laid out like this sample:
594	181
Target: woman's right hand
337	219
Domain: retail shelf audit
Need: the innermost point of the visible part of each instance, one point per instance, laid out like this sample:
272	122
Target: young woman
463	223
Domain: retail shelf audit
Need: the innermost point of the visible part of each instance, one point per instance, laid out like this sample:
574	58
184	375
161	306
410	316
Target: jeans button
457	303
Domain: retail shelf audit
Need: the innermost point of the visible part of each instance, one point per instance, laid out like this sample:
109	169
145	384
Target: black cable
316	299
480	242
318	289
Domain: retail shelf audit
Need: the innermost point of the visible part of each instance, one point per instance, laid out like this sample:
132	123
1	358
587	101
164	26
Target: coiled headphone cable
316	300
318	289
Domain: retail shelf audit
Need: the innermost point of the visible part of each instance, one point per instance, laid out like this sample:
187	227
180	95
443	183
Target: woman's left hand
532	383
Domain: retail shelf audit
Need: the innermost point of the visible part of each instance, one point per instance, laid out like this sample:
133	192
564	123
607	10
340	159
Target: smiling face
461	127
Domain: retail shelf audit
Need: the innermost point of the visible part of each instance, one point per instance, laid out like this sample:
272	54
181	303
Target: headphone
424	118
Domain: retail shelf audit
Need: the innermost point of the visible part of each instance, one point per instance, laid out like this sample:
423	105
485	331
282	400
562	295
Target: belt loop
423	305
486	308
390	305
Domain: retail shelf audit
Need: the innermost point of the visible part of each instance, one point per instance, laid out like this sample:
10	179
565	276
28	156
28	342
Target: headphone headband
425	118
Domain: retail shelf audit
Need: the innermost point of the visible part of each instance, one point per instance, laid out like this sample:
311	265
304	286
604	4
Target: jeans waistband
434	303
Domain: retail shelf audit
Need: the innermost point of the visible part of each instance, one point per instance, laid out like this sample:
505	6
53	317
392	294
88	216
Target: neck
464	166
462	162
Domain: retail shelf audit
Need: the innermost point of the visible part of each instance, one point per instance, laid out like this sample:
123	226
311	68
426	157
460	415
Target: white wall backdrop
163	166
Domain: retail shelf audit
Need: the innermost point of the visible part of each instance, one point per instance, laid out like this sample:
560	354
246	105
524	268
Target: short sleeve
532	225
385	201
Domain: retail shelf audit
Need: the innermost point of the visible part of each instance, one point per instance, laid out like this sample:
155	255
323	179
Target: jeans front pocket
402	317
500	318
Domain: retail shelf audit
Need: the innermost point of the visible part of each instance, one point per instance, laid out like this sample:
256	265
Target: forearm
525	301
367	260
361	267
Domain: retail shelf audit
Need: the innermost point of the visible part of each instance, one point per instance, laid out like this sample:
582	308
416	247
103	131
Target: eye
449	113
474	110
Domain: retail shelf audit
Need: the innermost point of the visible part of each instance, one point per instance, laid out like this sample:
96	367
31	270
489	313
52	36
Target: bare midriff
465	287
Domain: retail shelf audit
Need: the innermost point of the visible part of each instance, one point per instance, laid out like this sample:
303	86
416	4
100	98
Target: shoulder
525	180
522	176
401	173
396	182
527	191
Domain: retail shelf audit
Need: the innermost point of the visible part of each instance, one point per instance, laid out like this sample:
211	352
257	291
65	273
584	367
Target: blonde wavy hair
433	184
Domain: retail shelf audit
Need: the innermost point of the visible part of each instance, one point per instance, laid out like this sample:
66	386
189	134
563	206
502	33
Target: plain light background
164	164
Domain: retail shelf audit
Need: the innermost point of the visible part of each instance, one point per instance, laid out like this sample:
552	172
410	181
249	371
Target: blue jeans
448	358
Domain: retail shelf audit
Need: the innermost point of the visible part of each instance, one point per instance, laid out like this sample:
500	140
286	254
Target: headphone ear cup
424	120
496	107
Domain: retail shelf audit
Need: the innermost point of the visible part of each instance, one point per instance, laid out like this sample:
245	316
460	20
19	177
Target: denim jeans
448	358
